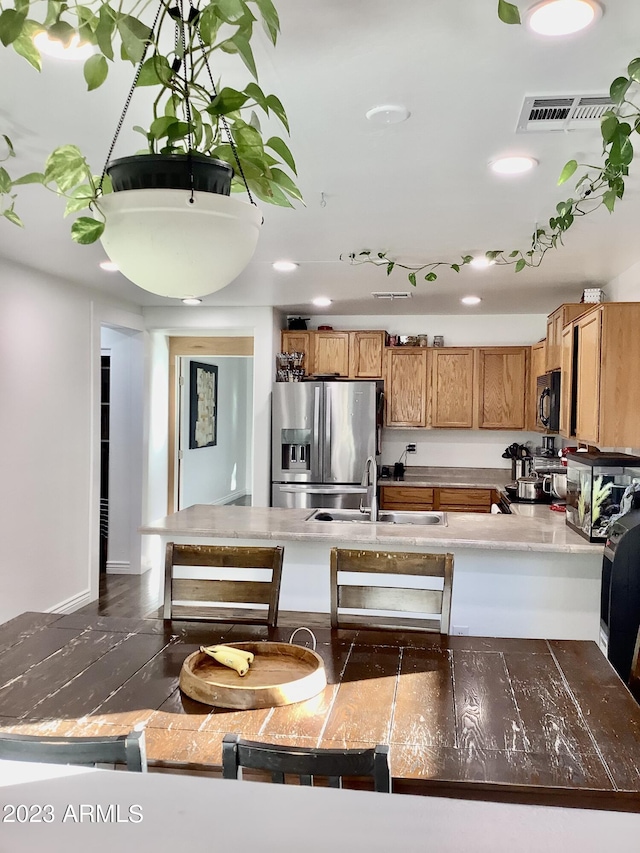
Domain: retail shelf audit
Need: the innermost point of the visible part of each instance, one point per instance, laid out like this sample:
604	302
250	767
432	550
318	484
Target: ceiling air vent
391	294
573	112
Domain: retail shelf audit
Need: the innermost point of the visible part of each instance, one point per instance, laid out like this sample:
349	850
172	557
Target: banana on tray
230	656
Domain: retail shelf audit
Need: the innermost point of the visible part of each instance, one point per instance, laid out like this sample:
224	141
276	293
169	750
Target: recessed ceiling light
388	114
285	266
470	300
513	165
322	301
562	17
191	300
109	266
481	263
75	51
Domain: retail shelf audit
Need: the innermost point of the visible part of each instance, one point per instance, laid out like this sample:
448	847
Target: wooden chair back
121	749
414	603
212	595
634	676
305	763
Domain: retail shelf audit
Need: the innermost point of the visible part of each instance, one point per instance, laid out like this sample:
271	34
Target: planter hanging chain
176	12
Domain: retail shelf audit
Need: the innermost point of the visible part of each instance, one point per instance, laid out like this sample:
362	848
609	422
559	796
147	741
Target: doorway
217	472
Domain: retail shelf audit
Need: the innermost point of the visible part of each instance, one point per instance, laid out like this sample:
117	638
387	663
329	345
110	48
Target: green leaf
568	170
12	216
209	24
280	147
81	197
160	126
633	70
9	144
95	71
66	167
609	200
269	18
178	130
86	230
412	278
25	47
254	92
514	254
520	265
134	35
619	89
231	10
466	259
62	31
284	181
390	267
11	23
608	126
240	44
227	101
5	181
155	70
30	178
455	267
508	13
274	104
104	30
621	151
430	276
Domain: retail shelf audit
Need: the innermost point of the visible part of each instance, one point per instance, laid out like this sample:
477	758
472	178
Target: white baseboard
71	604
232	496
121	567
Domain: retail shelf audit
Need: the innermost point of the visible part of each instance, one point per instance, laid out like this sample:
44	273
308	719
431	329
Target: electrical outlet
411	448
460	630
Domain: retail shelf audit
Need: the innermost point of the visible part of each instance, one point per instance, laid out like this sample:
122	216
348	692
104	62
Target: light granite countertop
476	478
529	528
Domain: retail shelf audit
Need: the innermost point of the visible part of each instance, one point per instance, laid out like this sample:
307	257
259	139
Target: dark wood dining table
533	721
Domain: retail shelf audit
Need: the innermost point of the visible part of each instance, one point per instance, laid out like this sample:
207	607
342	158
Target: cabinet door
299	342
406	498
502	378
566	383
463	500
452	387
550	350
538	368
331	353
366	351
406	386
588	379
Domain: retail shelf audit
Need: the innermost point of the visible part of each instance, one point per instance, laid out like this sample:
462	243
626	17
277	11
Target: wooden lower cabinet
445	499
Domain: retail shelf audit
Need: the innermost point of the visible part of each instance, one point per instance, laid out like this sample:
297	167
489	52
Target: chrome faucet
370	480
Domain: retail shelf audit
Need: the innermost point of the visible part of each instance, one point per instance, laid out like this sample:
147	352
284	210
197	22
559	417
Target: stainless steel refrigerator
322	434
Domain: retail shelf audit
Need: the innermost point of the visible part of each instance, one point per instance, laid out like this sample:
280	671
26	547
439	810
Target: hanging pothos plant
189	111
597	186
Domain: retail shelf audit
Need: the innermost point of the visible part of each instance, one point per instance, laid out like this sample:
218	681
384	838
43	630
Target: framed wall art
203	405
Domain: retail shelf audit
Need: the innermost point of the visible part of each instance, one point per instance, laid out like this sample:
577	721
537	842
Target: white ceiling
420	190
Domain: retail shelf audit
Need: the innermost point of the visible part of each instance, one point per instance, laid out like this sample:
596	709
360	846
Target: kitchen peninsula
520	575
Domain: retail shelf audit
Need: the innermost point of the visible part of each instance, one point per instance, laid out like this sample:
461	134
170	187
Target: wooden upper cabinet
366	354
331	353
588	378
406	386
299	342
502	386
555	324
567	419
620	375
538	368
452	386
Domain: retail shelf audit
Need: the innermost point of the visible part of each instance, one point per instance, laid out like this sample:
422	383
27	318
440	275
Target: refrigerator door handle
316	469
327	461
303	489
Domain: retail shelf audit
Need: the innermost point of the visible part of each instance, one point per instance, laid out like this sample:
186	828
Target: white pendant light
167	245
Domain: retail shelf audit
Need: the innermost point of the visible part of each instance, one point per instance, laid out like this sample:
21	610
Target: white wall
49	434
126	349
452	448
218	474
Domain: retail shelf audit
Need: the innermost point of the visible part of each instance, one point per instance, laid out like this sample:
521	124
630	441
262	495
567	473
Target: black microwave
548	401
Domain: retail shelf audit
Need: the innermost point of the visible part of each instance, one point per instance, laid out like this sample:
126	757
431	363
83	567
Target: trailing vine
597	186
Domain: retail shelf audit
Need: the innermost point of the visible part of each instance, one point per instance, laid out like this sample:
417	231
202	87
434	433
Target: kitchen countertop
473	478
529	528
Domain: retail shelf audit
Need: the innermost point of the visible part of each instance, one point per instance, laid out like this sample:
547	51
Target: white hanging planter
169	245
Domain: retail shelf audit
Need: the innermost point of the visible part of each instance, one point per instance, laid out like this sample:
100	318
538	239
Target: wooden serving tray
281	673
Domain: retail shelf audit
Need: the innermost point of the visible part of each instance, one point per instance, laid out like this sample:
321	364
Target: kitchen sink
384	517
